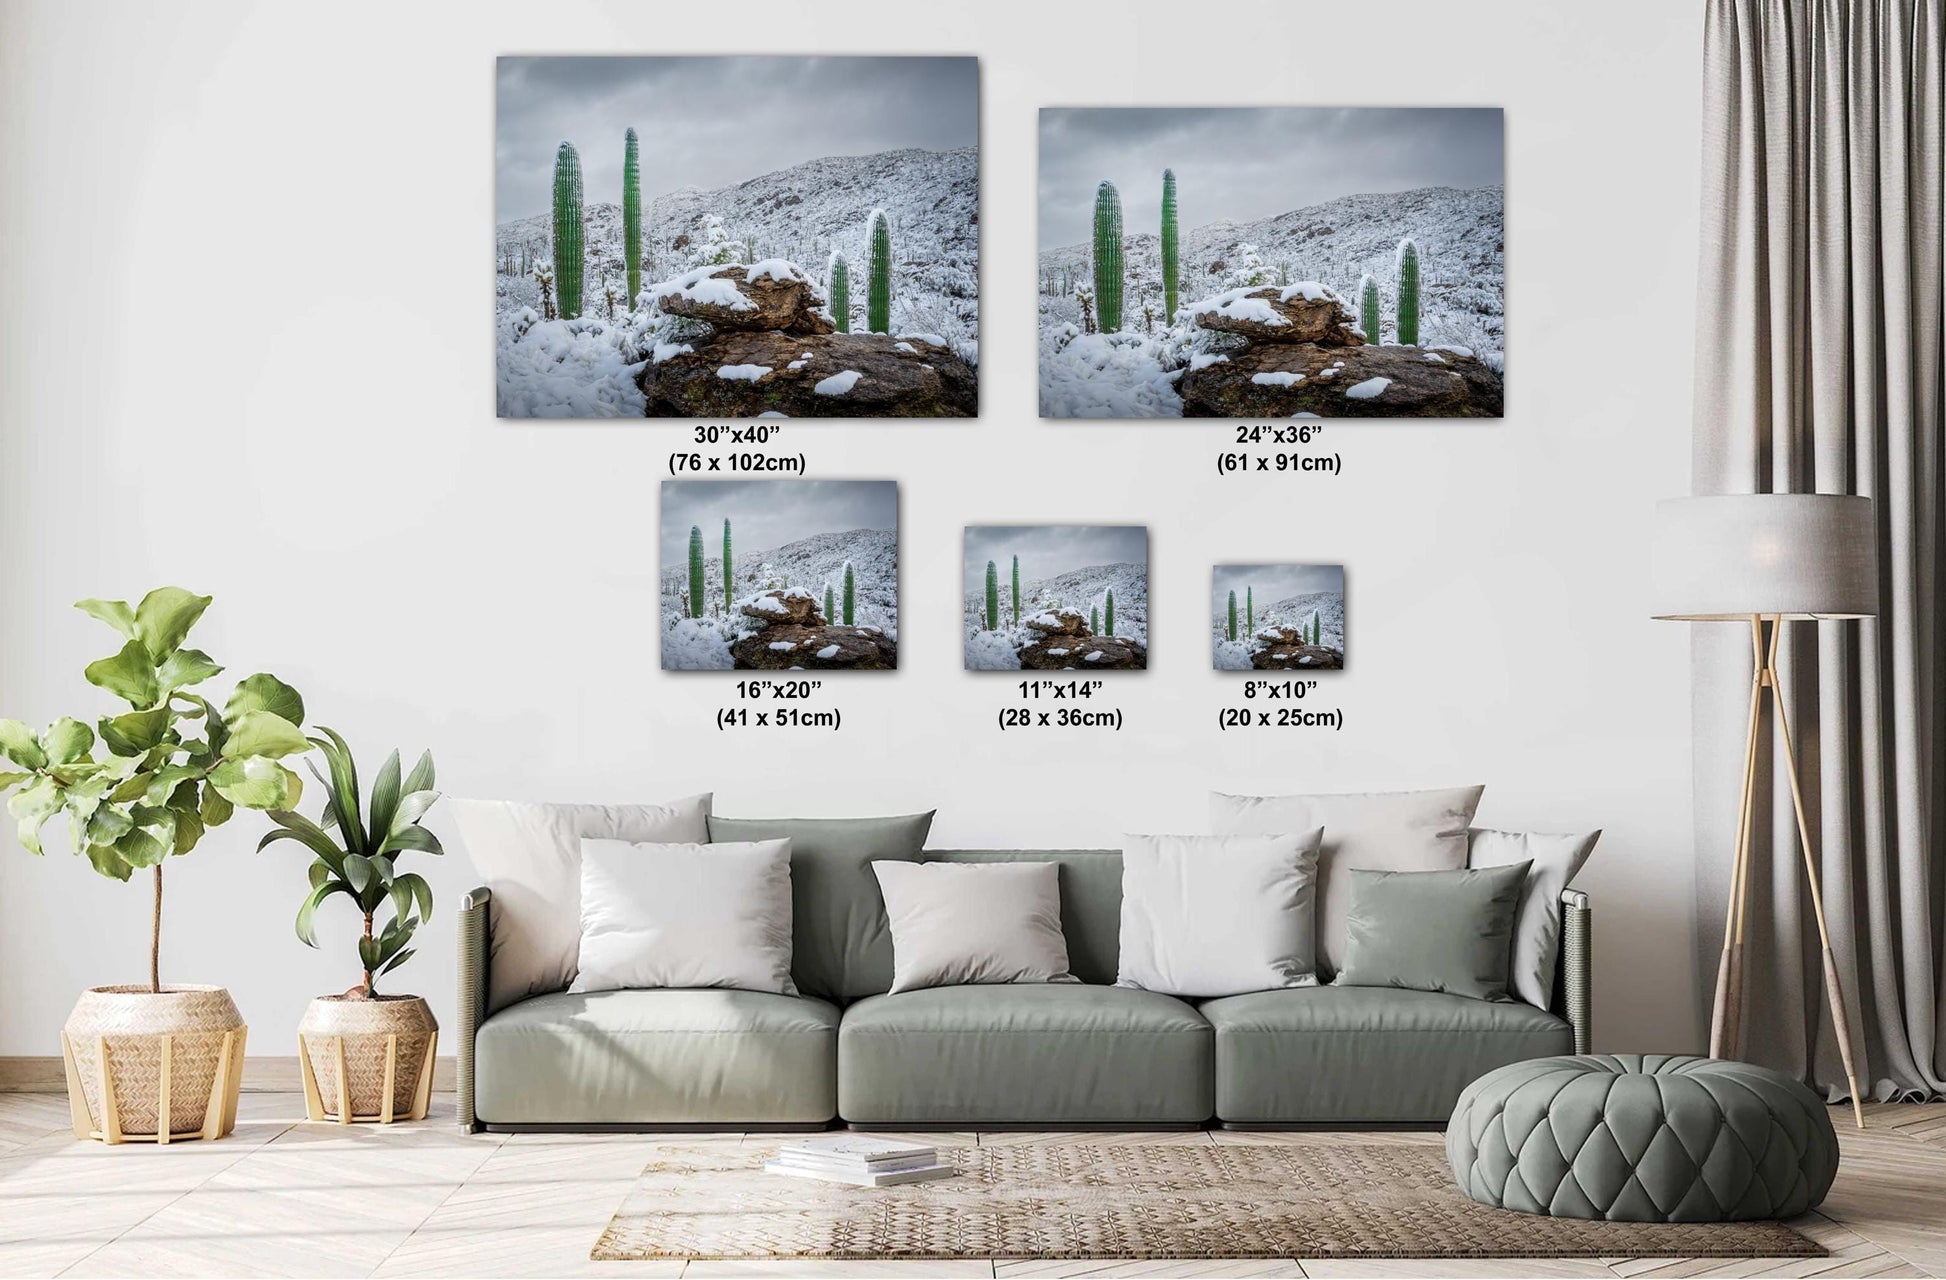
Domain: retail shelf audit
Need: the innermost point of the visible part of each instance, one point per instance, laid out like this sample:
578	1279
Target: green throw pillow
842	941
1450	931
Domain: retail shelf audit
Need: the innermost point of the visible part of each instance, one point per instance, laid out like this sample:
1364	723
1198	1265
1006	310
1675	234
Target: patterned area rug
1100	1200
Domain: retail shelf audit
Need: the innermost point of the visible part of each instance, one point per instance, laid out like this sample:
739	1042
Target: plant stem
369	979
155	937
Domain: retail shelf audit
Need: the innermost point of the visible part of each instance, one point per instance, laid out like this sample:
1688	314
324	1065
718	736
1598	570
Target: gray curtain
1818	369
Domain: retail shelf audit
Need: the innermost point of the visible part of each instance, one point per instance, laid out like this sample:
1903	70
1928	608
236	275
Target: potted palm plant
145	1061
366	1056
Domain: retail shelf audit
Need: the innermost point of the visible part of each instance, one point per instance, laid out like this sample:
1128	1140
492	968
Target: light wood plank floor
286	1198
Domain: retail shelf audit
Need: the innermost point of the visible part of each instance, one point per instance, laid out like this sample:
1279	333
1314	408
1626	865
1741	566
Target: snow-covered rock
833	375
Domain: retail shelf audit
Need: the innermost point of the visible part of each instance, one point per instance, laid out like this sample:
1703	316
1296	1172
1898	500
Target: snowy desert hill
1292	611
1078	589
802	213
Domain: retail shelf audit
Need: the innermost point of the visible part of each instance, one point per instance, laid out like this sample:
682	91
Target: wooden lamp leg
1726	1015
1840	1023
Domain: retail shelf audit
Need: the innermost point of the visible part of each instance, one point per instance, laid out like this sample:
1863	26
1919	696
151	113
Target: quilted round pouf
1642	1138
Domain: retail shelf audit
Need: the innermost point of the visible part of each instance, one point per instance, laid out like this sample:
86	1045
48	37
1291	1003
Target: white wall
245	346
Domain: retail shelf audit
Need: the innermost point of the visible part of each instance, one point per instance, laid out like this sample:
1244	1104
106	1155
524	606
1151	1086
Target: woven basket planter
367	1060
147	1066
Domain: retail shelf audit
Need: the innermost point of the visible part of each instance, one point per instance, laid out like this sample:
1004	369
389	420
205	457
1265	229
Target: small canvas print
1277	617
1271	262
1057	597
780	575
737	237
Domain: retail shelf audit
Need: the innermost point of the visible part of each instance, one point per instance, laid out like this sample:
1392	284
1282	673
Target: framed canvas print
1271	262
780	575
1057	597
736	237
1277	617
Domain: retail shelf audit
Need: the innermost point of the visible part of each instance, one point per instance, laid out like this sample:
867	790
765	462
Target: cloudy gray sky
1239	164
709	122
1049	549
765	514
1273	582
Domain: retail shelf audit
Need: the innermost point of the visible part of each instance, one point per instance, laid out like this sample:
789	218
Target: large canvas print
780	575
1057	597
1277	617
736	237
1278	262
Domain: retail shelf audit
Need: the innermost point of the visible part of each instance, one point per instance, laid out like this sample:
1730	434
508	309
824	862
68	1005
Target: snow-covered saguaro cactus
1408	292
1108	615
993	597
729	577
568	234
878	295
840	274
1108	257
1233	614
851	595
1016	591
695	570
1368	318
632	212
1170	255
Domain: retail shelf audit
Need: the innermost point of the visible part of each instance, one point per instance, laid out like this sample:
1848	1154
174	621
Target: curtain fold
1818	369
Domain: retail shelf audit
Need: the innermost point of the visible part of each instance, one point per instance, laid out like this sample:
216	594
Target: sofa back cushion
1091	901
842	943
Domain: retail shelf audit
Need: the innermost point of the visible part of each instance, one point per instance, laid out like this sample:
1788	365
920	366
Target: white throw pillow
529	855
685	915
961	924
1366	831
1554	858
1206	916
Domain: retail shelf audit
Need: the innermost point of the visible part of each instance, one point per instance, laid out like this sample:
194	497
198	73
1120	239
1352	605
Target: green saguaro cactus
1368	317
1016	591
1233	614
568	234
1169	251
1094	619
632	213
1108	257
1108	615
851	595
840	293
828	609
878	292
1408	292
993	597
729	584
695	570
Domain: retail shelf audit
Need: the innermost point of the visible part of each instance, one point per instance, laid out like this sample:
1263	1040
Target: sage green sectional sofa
1086	1054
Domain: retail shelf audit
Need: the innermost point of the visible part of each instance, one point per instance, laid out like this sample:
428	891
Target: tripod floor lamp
1765	559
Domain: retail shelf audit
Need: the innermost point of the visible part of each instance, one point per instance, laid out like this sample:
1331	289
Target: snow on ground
1328	607
1105	376
804	568
564	369
1078	591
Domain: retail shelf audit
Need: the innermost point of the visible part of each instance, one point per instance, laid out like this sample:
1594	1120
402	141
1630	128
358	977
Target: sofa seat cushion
1343	1054
658	1057
1024	1054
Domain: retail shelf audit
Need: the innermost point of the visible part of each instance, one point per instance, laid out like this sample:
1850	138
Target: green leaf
189	829
129	675
307	914
107	859
143	847
360	873
295	826
396	961
420	779
67	740
321	872
256	782
416	838
265	692
132	788
166	782
32	807
344	789
9	779
410	809
368	953
416	892
134	732
108	824
264	733
20	745
385	795
115	613
185	667
164	618
215	810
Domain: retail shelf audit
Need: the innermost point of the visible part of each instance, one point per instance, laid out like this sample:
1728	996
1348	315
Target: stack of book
860	1161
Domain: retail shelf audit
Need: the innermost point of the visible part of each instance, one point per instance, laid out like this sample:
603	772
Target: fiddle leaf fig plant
144	785
355	852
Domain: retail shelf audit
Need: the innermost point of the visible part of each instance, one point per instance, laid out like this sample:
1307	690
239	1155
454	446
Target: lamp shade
1793	555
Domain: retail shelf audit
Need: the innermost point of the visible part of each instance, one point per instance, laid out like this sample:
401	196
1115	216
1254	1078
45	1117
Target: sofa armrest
473	961
1574	985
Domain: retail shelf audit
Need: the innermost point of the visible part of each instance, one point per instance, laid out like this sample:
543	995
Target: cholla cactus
1084	294
544	277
